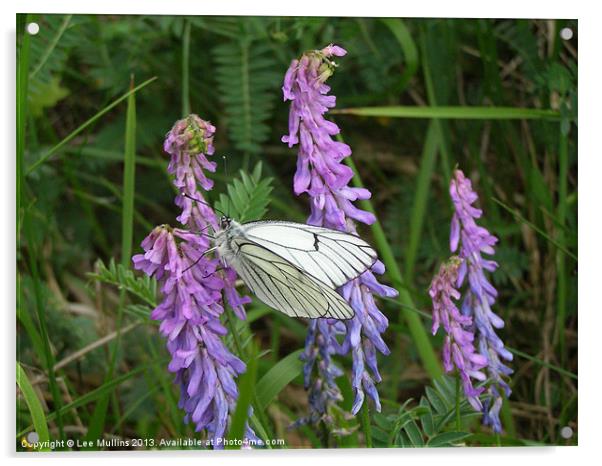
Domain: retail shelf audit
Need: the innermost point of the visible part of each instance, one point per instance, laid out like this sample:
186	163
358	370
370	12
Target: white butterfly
293	267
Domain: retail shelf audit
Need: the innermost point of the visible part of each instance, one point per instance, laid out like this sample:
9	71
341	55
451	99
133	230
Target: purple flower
192	289
322	175
471	241
189	143
458	349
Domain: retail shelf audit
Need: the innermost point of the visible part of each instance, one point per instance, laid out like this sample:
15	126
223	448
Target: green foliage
431	423
245	73
123	278
49	54
248	196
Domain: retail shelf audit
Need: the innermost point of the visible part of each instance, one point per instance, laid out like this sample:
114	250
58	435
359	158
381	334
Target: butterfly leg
198	260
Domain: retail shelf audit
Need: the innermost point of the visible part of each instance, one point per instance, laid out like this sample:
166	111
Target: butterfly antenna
202	202
226	173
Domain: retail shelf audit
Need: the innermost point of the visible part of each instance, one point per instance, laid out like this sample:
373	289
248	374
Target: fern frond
248	196
245	75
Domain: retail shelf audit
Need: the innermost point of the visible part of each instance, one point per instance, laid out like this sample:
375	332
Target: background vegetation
92	182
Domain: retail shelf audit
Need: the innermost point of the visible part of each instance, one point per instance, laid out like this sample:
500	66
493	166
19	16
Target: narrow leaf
278	377
40	423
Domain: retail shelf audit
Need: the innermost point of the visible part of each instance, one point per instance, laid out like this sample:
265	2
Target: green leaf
447	438
447	389
143	287
522	219
278	377
414	434
426	419
410	52
38	417
46	95
457	113
245	73
436	400
248	196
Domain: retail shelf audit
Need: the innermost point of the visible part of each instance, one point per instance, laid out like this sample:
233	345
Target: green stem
258	417
458	396
366	425
560	256
186	69
413	321
433	101
83	126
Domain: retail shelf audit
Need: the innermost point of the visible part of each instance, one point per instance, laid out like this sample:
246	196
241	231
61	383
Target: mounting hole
566	432
32	28
566	33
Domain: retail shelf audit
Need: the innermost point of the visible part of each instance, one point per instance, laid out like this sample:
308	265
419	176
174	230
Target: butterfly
292	267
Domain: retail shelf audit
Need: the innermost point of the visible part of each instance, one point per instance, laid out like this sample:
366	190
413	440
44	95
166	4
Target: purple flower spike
471	241
322	175
192	289
458	349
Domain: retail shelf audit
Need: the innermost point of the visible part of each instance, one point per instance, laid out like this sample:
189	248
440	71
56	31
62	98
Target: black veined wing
330	256
284	286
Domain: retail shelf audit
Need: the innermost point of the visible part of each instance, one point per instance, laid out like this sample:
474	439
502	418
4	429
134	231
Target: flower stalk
194	289
322	175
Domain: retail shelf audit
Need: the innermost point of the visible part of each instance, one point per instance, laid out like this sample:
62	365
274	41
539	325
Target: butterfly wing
283	286
330	256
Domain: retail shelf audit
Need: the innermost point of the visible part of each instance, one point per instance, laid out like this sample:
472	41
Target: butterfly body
293	267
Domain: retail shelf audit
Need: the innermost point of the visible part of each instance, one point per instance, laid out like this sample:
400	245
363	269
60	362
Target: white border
589	223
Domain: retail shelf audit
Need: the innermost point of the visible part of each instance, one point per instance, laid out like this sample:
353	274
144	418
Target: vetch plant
476	321
322	175
458	348
192	288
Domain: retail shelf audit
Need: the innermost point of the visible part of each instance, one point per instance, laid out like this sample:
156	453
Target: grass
415	97
38	416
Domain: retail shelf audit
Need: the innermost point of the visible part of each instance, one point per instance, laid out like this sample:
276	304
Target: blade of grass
51	45
159	373
38	417
134	406
415	325
246	392
129	180
259	419
410	53
29	325
560	257
97	423
91	396
518	353
186	69
423	181
278	377
520	218
434	100
83	126
366	427
452	112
